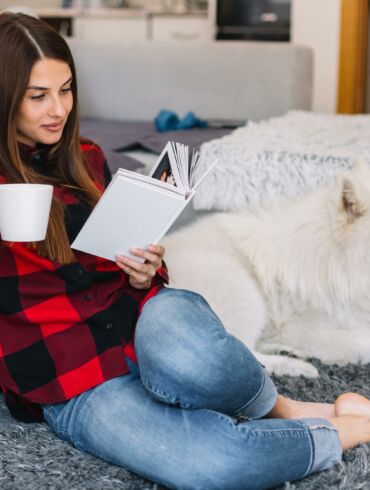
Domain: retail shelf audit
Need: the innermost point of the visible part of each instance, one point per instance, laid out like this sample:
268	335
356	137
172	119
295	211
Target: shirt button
80	272
37	156
109	326
88	297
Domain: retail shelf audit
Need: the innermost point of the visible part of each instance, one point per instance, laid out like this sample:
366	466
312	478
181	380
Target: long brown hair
25	40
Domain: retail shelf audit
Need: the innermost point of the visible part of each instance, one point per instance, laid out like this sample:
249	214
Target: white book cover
136	210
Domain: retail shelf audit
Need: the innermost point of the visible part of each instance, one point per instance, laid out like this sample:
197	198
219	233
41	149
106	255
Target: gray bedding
116	137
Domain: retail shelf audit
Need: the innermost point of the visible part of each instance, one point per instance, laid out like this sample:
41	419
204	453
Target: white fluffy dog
293	278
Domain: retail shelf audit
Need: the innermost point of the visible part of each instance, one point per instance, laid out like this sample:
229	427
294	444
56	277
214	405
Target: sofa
232	80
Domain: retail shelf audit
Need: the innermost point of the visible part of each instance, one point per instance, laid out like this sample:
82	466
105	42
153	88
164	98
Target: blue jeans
190	416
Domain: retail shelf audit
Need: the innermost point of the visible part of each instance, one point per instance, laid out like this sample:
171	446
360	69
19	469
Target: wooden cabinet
129	25
185	28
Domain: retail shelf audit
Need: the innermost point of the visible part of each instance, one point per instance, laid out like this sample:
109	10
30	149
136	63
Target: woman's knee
187	357
174	307
176	322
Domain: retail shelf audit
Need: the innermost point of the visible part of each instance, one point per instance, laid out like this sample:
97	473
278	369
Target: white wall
316	23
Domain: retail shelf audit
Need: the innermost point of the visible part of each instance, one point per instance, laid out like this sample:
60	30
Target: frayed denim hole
323	426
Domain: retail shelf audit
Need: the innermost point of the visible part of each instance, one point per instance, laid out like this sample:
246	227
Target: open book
136	210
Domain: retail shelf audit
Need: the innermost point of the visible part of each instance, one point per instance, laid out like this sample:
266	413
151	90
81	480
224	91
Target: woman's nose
57	107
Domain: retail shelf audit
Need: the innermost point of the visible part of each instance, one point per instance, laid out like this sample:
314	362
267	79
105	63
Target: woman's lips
53	127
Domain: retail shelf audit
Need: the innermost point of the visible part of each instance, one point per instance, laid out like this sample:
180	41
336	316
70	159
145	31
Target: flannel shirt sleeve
161	276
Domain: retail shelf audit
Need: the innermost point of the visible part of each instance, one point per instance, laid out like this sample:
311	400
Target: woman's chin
50	139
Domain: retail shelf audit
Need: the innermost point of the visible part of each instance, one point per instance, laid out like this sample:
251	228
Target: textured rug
283	156
33	458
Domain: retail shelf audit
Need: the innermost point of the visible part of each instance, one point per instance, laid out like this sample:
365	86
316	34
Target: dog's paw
278	348
283	365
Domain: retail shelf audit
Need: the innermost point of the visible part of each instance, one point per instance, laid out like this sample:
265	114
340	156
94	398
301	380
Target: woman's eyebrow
36	87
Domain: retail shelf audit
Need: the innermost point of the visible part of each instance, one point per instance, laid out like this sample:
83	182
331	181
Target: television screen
251	13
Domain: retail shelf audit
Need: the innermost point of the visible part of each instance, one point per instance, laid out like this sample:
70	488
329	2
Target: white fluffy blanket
283	156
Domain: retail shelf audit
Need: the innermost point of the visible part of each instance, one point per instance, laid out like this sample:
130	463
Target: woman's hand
141	274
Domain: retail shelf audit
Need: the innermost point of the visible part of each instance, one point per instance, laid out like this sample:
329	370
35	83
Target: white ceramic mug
24	211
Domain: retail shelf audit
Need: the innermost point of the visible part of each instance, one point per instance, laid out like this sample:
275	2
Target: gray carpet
33	458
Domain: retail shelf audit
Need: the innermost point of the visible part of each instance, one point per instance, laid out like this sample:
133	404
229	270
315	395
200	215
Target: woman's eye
66	90
38	97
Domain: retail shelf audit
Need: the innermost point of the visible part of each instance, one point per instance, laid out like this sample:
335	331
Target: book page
175	166
168	187
187	165
166	168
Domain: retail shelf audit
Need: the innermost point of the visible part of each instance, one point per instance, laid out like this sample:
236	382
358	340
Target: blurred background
336	31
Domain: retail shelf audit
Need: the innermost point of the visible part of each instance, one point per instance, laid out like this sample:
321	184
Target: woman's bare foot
285	408
352	430
345	404
352	404
350	415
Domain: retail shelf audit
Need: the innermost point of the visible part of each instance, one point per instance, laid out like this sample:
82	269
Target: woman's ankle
353	430
286	408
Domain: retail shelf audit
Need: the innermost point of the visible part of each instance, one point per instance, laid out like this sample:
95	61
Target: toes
352	404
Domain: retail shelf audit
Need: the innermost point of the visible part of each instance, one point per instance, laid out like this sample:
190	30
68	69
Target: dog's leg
330	345
275	347
284	365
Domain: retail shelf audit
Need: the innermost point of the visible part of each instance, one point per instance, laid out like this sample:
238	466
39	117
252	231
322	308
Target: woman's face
46	104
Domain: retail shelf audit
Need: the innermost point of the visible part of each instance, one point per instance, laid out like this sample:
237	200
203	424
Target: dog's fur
293	278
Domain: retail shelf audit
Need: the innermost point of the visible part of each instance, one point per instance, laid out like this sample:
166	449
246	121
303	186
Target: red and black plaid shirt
64	328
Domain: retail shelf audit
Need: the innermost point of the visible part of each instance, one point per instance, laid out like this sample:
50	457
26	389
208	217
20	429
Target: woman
188	406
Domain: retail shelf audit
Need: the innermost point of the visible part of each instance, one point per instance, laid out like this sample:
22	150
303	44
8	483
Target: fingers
157	249
142	272
152	256
149	257
134	265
